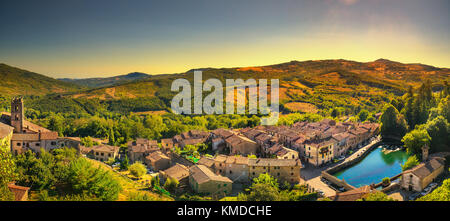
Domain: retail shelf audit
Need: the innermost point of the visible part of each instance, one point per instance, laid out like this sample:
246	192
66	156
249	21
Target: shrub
137	169
410	163
386	181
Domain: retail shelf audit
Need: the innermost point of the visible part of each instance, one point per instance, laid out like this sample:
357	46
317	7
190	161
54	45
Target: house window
231	172
38	144
53	143
278	174
18	144
96	153
102	154
253	173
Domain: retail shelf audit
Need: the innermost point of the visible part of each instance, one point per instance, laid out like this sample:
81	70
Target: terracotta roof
353	195
236	160
236	139
220	158
341	136
177	172
424	169
105	148
48	135
168	140
263	137
222	133
273	162
25	137
206	161
156	156
6	119
19	191
202	174
5	130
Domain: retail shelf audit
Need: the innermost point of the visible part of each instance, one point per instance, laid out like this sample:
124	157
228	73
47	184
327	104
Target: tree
376	196
265	178
137	169
439	131
124	164
84	178
410	163
110	161
87	141
363	114
386	181
7	172
415	140
35	172
155	181
263	192
441	193
111	137
171	184
392	123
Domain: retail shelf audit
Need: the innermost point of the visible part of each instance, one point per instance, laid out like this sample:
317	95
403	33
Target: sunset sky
100	38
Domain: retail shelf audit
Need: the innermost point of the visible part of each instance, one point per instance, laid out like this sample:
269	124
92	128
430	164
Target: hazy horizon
84	39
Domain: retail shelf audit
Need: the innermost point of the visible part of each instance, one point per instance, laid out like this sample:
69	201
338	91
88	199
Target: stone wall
336	181
341	183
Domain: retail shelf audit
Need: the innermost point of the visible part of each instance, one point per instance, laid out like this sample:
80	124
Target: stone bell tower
425	150
17	114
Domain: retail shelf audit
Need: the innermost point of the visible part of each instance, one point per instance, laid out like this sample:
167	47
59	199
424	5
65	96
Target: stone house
104	152
167	144
319	152
178	172
139	149
281	169
218	137
236	168
341	147
282	152
241	145
419	177
203	180
157	161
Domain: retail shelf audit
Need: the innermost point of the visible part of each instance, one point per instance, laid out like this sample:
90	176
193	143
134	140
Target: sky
102	38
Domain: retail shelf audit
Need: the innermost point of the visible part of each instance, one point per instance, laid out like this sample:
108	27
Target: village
303	153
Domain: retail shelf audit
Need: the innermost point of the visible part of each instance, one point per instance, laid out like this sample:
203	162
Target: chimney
425	150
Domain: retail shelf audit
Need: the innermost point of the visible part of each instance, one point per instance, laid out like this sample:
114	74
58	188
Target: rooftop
202	174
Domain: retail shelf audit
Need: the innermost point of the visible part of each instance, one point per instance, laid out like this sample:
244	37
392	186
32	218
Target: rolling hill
102	82
15	81
307	86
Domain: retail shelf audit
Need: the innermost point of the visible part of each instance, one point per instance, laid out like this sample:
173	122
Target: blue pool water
373	168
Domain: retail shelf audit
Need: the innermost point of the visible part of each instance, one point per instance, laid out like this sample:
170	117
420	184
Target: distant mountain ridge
108	81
